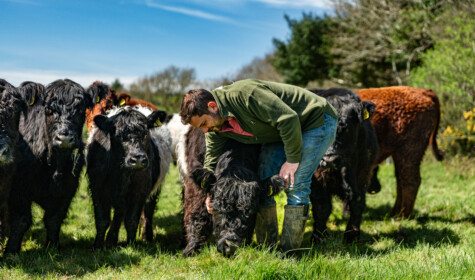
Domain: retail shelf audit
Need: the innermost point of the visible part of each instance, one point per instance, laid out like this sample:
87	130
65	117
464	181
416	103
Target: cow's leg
113	234
20	221
56	212
148	211
321	210
197	221
408	179
357	206
132	217
102	218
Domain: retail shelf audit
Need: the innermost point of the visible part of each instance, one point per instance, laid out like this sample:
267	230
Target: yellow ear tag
271	191
203	183
122	102
157	123
98	99
32	101
366	114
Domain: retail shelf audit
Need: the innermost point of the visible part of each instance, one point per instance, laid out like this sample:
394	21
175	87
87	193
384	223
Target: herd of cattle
131	145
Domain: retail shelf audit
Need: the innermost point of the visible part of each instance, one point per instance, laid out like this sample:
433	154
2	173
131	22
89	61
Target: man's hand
287	171
209	204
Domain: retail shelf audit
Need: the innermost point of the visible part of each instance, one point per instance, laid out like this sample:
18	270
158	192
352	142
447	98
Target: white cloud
46	77
186	11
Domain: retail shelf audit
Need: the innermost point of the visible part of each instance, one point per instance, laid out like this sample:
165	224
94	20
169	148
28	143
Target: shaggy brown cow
105	98
406	120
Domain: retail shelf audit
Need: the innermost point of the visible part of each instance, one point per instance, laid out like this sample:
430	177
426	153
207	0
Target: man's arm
214	148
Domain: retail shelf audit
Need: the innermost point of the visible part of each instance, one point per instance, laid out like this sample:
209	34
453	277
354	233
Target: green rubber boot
267	229
293	229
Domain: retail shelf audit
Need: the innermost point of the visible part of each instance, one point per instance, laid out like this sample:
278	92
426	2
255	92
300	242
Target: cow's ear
103	123
368	110
273	185
124	99
156	119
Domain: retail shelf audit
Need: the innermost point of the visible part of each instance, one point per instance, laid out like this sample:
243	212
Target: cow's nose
138	161
230	248
64	140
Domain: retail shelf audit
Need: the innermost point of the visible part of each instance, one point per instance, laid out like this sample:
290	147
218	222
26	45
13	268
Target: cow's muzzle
137	161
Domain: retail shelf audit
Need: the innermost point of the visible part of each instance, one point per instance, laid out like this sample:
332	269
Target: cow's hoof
319	237
351	236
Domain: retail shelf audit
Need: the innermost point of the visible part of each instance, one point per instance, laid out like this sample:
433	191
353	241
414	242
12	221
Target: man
295	126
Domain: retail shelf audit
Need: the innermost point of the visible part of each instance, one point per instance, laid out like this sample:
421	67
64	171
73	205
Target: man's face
207	122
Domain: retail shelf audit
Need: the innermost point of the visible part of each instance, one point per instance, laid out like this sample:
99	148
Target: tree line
361	44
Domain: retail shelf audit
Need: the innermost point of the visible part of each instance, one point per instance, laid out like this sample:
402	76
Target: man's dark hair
195	103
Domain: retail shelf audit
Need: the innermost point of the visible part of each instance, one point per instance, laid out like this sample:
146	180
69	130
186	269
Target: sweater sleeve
214	148
269	108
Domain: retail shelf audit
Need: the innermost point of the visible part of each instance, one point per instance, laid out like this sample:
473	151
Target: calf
406	121
105	99
347	166
236	195
51	158
11	105
128	156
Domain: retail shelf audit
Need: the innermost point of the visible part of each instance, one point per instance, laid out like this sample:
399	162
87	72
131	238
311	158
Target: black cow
127	158
347	166
51	160
236	195
11	105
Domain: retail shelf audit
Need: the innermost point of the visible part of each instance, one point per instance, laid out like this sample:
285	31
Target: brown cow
105	98
406	120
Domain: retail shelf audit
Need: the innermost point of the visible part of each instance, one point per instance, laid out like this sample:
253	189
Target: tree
164	88
449	68
305	55
260	68
117	85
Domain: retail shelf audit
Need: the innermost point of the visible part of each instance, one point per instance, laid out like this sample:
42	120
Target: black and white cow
347	166
128	156
236	194
51	151
11	106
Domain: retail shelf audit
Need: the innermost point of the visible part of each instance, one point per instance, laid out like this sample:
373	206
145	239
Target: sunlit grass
437	244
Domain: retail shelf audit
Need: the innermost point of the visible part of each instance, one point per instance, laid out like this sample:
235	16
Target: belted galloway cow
51	158
128	156
347	166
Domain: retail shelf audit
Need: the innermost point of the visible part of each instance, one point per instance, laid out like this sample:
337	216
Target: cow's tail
433	141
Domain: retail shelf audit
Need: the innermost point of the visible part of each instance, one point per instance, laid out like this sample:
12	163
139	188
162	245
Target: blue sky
85	40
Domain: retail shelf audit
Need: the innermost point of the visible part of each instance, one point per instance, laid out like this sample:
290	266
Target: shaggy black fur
52	157
123	164
236	196
347	166
11	106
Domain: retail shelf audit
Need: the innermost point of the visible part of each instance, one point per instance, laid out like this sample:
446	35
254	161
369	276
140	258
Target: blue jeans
315	144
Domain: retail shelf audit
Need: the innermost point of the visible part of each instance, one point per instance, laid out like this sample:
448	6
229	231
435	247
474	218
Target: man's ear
212	106
156	119
103	123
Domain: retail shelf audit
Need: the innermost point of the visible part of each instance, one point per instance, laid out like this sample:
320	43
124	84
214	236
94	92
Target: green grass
439	243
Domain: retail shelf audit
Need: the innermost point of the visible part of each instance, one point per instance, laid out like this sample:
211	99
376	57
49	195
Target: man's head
200	110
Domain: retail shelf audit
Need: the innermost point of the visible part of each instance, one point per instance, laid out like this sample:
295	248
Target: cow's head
65	106
354	116
11	106
129	133
103	98
237	194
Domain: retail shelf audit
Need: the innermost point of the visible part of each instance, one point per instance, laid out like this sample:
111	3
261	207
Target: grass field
439	243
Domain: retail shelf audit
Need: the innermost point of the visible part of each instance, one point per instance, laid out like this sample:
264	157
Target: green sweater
270	111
